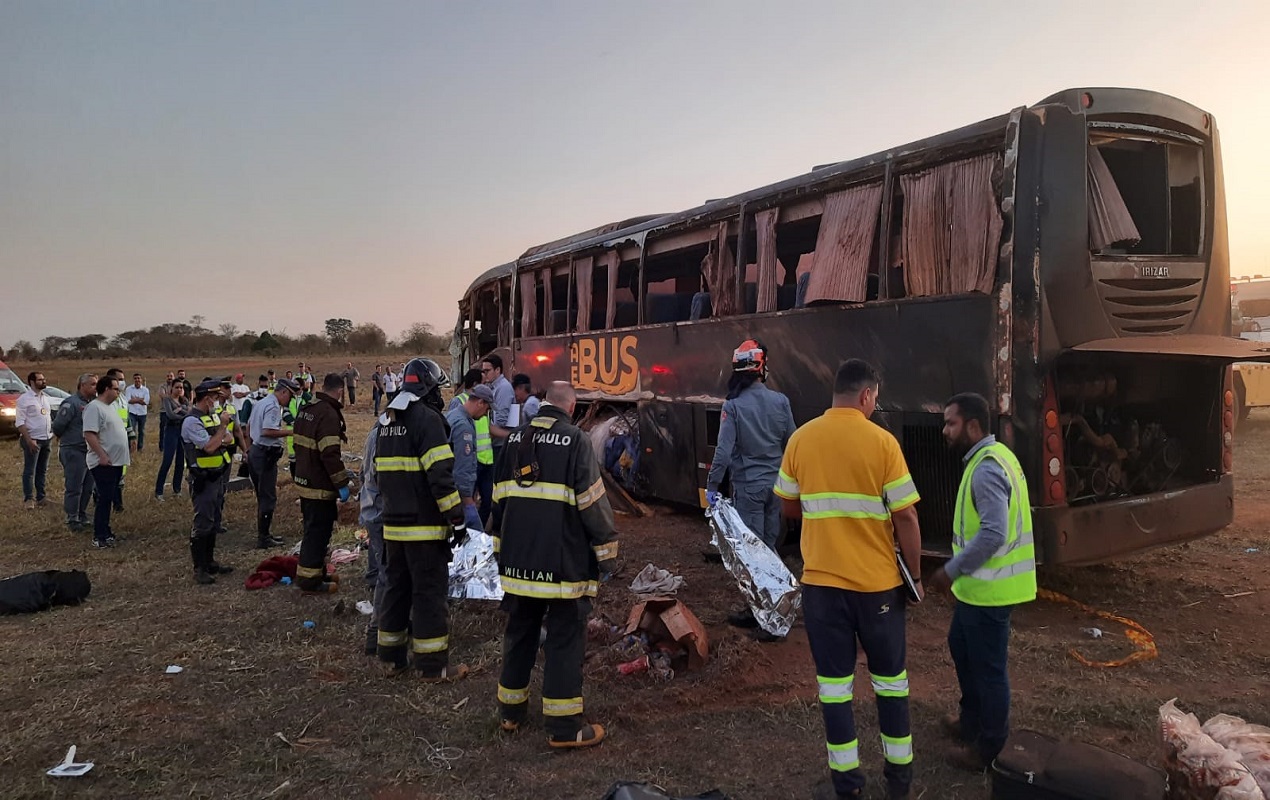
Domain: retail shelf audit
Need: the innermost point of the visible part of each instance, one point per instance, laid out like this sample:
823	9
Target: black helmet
422	376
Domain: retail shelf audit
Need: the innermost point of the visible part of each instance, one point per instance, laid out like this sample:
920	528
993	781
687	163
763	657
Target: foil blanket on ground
474	569
770	589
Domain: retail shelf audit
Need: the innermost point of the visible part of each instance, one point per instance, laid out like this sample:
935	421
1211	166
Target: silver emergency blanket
768	586
474	569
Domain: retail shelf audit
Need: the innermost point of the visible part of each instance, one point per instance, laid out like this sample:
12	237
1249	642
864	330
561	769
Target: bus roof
1118	101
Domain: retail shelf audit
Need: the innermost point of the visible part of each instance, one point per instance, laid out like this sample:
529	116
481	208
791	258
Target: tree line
194	340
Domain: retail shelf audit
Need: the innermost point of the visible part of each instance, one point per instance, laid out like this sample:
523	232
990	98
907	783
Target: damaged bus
1067	260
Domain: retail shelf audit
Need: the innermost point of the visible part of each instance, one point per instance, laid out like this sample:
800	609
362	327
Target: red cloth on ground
272	570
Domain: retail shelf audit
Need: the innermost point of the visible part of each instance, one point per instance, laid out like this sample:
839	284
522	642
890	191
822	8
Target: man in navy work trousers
992	570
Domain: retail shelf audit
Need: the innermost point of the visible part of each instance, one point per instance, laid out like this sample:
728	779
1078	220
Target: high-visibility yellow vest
198	458
1009	576
484	444
293	408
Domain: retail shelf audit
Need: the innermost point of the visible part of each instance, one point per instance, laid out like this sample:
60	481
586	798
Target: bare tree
228	329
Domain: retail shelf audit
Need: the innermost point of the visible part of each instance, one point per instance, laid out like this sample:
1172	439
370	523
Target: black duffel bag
1033	766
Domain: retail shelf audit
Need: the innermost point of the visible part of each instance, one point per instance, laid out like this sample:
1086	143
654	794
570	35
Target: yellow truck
1252	388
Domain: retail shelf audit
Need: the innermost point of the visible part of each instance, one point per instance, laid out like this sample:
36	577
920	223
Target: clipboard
910	585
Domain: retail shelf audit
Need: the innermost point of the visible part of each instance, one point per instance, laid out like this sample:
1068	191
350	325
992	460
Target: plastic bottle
632	667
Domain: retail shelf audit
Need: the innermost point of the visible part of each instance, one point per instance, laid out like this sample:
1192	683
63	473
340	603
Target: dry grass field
266	708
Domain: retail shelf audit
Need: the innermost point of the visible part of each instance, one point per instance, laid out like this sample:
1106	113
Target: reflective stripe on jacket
552	516
1009	576
414	467
319	469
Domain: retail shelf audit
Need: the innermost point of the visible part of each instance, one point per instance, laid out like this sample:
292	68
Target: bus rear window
1145	197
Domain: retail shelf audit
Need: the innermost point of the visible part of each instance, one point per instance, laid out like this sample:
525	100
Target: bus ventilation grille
936	472
1138	307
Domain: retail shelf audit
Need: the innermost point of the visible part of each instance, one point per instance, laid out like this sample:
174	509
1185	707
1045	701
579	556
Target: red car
11	387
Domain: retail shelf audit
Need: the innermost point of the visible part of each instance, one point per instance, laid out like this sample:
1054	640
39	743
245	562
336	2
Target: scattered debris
173	669
69	768
343	556
309	624
1253	550
1092	633
459	704
653	580
284	786
1237	594
440	756
668	625
1225	754
1135	633
365	607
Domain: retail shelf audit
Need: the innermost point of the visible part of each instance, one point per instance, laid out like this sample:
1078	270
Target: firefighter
205	437
555	538
320	480
754	427
423	520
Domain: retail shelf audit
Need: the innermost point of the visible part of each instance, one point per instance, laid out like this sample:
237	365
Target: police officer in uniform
463	420
555	537
205	437
268	438
423	519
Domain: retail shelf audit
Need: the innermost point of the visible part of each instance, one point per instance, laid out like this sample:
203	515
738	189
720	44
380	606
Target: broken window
1145	196
952	228
528	296
719	270
844	245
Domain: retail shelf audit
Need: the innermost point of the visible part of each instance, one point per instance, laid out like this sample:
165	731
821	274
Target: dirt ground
748	723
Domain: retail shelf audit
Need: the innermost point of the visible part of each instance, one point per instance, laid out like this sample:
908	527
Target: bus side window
952	228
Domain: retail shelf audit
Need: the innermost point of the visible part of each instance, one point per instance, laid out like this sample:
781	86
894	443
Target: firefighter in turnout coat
423	519
320	480
554	535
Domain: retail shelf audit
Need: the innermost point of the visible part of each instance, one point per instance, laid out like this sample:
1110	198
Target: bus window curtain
528	305
844	244
582	278
768	282
610	263
719	270
952	228
548	307
1110	223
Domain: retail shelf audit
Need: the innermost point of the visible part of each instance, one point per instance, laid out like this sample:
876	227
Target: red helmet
750	356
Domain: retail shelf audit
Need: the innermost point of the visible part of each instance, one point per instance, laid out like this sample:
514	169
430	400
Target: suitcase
1033	766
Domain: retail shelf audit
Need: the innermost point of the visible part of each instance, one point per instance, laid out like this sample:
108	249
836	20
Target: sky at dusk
273	164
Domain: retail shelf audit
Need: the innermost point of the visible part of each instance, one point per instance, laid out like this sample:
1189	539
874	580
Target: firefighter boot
264	540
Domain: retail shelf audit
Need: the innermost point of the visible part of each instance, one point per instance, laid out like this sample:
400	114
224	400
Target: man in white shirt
34	427
137	396
390	383
238	392
108	455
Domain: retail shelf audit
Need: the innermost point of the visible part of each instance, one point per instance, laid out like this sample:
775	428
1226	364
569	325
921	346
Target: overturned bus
1067	260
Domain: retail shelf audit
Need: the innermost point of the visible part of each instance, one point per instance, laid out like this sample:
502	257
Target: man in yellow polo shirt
847	479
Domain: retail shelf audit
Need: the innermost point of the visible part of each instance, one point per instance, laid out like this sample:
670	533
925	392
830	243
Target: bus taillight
1053	471
1228	422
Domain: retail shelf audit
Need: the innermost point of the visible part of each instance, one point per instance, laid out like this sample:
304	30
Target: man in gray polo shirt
108	454
72	451
268	444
